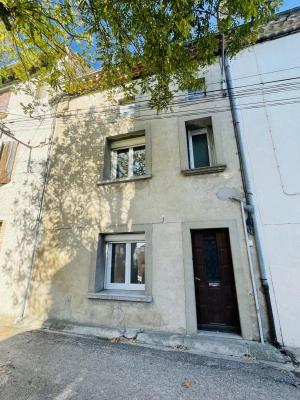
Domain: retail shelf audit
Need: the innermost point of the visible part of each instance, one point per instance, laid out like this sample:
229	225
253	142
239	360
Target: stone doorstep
200	344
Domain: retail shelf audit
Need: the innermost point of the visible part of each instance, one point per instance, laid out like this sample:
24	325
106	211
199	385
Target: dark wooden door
215	292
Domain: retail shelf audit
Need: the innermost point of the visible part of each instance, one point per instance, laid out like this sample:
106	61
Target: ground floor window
125	262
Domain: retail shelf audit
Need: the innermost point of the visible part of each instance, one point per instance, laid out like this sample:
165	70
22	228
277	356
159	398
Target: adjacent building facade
24	144
266	77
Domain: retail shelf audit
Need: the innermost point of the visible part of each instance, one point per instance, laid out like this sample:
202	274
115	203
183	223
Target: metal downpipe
250	200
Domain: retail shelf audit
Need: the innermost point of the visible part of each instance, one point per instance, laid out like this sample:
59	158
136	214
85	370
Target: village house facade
140	228
139	220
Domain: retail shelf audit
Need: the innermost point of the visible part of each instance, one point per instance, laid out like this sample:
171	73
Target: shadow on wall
20	233
75	208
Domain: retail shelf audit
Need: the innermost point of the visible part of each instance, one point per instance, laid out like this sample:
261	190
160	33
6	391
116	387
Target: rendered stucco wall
20	202
77	210
270	121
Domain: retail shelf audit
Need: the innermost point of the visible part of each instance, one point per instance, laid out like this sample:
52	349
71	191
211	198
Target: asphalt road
41	365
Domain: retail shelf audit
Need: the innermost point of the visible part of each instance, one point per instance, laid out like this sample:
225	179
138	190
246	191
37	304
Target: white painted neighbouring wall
270	123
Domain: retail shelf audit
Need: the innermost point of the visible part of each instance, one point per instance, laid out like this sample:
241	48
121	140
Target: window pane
139	161
118	257
200	150
199	91
211	259
137	263
122	163
195	94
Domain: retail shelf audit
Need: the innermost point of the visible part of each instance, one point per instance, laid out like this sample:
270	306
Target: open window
198	153
201	151
200	144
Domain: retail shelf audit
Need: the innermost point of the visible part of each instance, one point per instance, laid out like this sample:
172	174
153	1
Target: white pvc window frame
200	131
127	240
114	160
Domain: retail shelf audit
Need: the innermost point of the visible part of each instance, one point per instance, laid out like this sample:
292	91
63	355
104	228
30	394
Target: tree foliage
161	42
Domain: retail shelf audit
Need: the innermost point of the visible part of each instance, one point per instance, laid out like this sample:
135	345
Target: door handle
197	279
214	284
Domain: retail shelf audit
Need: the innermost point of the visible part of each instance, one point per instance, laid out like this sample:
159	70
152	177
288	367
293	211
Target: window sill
121	295
204	170
124	180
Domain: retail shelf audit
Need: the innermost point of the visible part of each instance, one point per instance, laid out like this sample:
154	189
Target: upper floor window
127	106
200	141
7	158
128	158
198	154
125	262
200	148
198	92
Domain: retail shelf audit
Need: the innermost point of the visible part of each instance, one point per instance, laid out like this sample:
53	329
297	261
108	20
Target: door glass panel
122	163
211	259
137	263
200	151
118	257
139	161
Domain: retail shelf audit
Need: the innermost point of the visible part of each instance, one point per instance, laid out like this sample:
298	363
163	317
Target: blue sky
286	4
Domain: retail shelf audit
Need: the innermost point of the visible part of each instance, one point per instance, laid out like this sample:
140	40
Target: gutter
250	202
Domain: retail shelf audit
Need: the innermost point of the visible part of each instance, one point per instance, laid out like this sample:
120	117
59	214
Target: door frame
221	236
241	273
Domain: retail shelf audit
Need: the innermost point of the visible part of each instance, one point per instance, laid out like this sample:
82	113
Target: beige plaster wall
77	210
20	201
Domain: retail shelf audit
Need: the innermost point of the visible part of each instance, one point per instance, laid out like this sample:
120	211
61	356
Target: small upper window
197	92
127	106
200	144
128	158
125	262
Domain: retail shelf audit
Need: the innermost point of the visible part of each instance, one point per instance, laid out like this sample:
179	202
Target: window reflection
139	161
138	263
118	263
122	163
